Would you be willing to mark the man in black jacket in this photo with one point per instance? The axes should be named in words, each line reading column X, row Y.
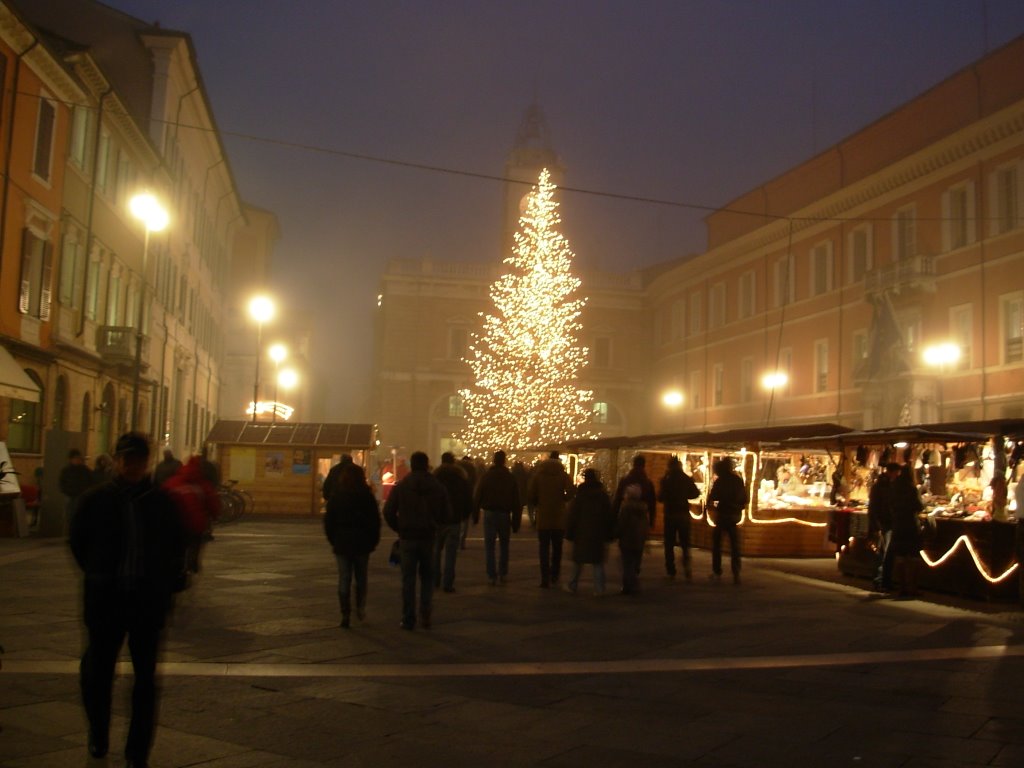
column 128, row 539
column 675, row 492
column 497, row 494
column 415, row 508
column 460, row 497
column 728, row 497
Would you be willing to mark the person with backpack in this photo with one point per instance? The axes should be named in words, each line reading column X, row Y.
column 675, row 492
column 632, row 527
column 728, row 498
column 352, row 526
column 416, row 507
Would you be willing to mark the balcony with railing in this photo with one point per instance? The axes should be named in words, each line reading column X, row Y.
column 916, row 273
column 116, row 345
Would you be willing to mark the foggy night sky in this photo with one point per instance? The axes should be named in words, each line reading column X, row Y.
column 693, row 101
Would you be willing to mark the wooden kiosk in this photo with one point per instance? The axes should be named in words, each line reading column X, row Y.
column 283, row 465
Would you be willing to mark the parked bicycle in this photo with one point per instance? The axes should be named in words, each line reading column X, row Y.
column 234, row 502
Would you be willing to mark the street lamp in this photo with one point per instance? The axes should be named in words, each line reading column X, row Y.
column 672, row 398
column 287, row 379
column 277, row 352
column 942, row 356
column 154, row 217
column 261, row 309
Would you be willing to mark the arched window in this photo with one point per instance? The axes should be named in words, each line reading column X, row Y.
column 25, row 422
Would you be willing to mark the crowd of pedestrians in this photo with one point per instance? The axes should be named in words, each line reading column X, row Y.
column 137, row 536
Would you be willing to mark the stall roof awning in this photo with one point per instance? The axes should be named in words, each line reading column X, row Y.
column 932, row 433
column 313, row 435
column 14, row 382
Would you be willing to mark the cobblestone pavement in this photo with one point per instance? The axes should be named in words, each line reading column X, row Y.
column 787, row 669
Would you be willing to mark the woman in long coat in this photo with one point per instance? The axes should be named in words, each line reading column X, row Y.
column 352, row 525
column 589, row 528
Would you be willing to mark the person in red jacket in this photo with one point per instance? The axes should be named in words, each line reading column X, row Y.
column 198, row 504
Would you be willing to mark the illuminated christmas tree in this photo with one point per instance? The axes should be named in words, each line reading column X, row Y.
column 527, row 358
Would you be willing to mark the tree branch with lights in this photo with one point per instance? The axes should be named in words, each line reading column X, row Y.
column 526, row 359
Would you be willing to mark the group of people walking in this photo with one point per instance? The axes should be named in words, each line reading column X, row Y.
column 431, row 510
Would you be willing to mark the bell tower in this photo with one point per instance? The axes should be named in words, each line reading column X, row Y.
column 531, row 153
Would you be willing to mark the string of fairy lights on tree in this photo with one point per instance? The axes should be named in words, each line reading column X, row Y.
column 527, row 358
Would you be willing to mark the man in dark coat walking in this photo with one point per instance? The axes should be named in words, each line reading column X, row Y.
column 128, row 539
column 415, row 508
column 460, row 497
column 497, row 494
column 75, row 479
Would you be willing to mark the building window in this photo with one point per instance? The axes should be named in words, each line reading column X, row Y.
column 25, row 422
column 784, row 278
column 1007, row 199
column 114, row 297
column 81, row 118
column 103, row 162
column 860, row 349
column 961, row 323
column 455, row 406
column 600, row 415
column 1012, row 327
column 904, row 234
column 44, row 139
column 747, row 379
column 696, row 389
column 678, row 327
column 821, row 268
column 458, row 343
column 92, row 292
column 716, row 306
column 748, row 304
column 72, row 270
column 821, row 366
column 860, row 253
column 718, row 377
column 601, row 353
column 36, row 274
column 958, row 217
column 696, row 326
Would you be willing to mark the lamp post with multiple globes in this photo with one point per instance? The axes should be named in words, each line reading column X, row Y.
column 261, row 309
column 154, row 217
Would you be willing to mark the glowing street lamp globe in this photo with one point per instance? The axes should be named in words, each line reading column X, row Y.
column 673, row 398
column 287, row 379
column 261, row 309
column 941, row 355
column 774, row 380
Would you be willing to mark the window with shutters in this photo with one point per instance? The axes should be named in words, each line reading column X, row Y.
column 747, row 303
column 860, row 253
column 45, row 129
column 905, row 233
column 716, row 306
column 746, row 379
column 1007, row 199
column 958, row 216
column 961, row 331
column 72, row 270
column 821, row 366
column 696, row 324
column 696, row 390
column 718, row 381
column 81, row 123
column 785, row 281
column 1012, row 322
column 821, row 268
column 36, row 274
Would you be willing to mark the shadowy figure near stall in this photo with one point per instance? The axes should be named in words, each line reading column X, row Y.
column 728, row 497
column 906, row 535
column 127, row 538
column 880, row 522
column 675, row 492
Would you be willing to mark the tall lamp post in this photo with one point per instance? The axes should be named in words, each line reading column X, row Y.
column 943, row 357
column 286, row 379
column 277, row 352
column 772, row 381
column 154, row 217
column 261, row 309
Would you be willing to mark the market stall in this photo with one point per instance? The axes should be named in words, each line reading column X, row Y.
column 283, row 465
column 962, row 472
